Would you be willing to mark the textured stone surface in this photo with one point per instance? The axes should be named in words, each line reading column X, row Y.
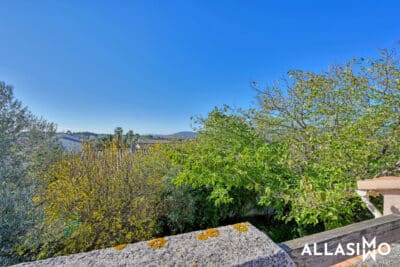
column 230, row 248
column 391, row 260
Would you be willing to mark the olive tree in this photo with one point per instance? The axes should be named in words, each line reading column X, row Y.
column 27, row 145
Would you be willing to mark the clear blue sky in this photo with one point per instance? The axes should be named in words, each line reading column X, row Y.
column 150, row 65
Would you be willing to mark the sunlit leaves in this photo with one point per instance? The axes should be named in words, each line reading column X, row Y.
column 232, row 159
column 102, row 198
column 340, row 126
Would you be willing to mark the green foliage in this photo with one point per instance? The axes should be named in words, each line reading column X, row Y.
column 298, row 156
column 128, row 140
column 301, row 153
column 233, row 162
column 27, row 146
column 188, row 209
column 340, row 126
column 101, row 198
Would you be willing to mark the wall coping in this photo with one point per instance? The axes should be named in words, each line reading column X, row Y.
column 251, row 247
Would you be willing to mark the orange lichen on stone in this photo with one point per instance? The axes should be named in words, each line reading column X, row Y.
column 157, row 243
column 241, row 227
column 212, row 232
column 119, row 247
column 202, row 236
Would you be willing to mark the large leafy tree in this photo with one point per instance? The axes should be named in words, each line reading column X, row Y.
column 231, row 160
column 302, row 151
column 27, row 145
column 340, row 126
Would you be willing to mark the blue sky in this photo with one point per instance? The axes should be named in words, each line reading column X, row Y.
column 150, row 65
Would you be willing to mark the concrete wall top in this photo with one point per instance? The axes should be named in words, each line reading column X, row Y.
column 233, row 245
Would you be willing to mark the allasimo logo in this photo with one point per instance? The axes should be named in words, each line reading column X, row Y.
column 364, row 248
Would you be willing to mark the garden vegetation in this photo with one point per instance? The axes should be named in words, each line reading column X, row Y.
column 289, row 165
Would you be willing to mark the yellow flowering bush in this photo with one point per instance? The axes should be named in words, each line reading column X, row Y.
column 102, row 198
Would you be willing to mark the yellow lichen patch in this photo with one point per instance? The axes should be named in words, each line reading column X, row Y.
column 241, row 227
column 202, row 236
column 212, row 232
column 119, row 247
column 157, row 243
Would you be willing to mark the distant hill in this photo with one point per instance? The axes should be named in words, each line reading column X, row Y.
column 184, row 134
column 180, row 135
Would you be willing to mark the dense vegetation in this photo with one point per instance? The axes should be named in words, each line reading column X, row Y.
column 98, row 199
column 27, row 147
column 290, row 165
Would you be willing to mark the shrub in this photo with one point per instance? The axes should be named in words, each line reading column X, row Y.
column 101, row 198
column 188, row 209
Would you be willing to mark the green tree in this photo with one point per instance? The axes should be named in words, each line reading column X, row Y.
column 232, row 162
column 187, row 209
column 27, row 146
column 302, row 151
column 340, row 126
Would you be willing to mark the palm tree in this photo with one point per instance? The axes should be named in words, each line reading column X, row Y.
column 117, row 136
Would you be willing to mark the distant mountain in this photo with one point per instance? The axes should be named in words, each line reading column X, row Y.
column 183, row 135
column 179, row 135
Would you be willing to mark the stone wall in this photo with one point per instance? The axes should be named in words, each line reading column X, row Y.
column 233, row 245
